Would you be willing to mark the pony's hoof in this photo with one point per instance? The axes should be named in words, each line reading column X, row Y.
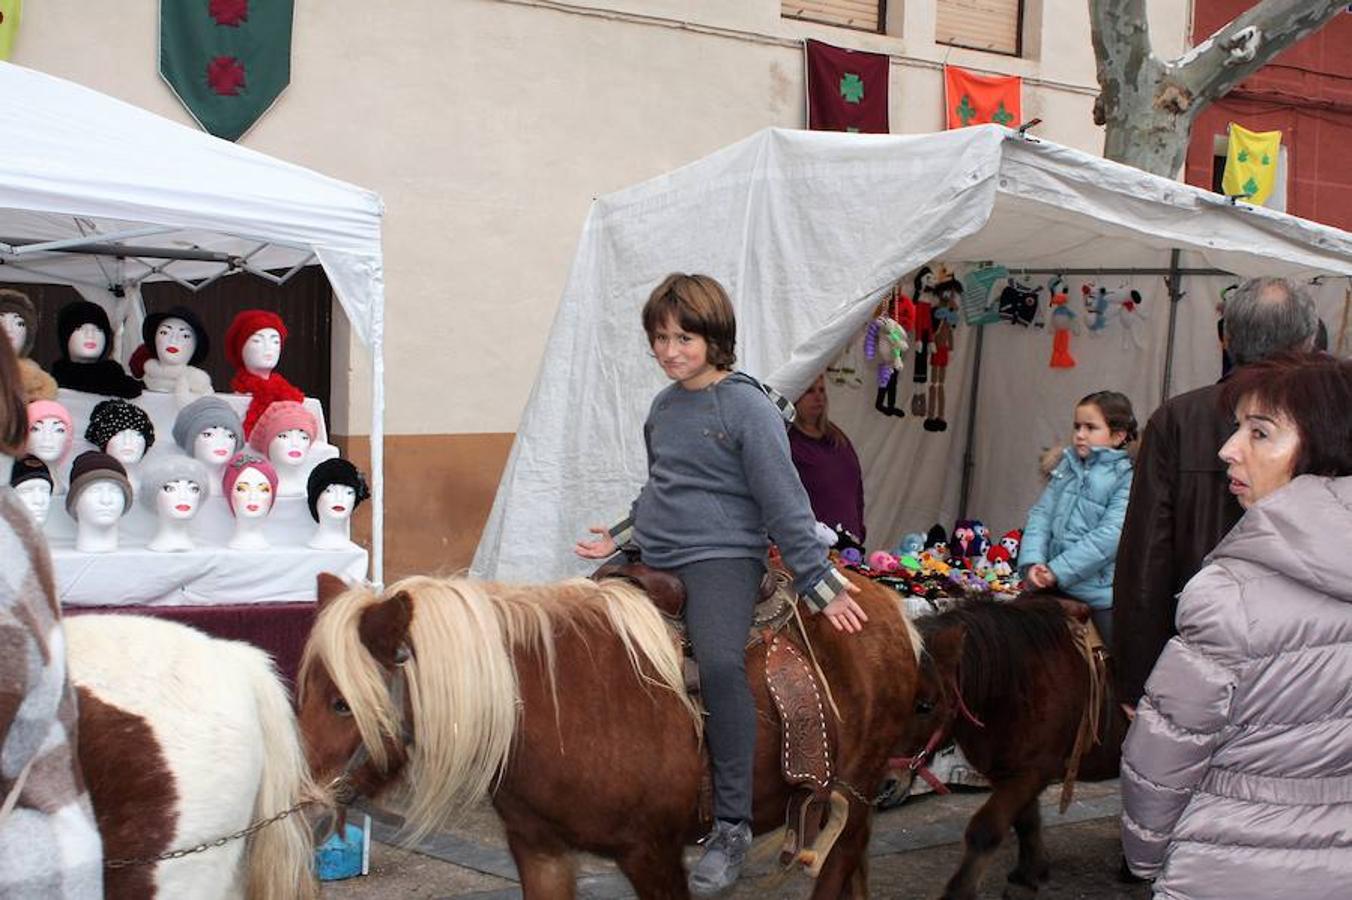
column 1030, row 877
column 1015, row 891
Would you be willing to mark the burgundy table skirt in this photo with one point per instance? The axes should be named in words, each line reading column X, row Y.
column 278, row 628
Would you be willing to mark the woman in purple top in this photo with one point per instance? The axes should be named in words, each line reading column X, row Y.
column 827, row 464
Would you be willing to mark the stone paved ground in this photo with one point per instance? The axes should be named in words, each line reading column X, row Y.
column 913, row 852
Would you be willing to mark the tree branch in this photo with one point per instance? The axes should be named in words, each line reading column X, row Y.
column 1121, row 36
column 1246, row 44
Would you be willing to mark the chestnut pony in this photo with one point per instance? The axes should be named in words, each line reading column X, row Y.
column 1009, row 684
column 565, row 705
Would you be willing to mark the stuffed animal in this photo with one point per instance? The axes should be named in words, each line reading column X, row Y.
column 882, row 561
column 936, row 541
column 944, row 317
column 926, row 298
column 1063, row 325
column 909, row 545
column 885, row 342
column 1019, row 304
column 1010, row 541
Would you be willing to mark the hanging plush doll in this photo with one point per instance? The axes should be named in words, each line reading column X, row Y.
column 1019, row 304
column 925, row 299
column 1057, row 295
column 19, row 321
column 885, row 342
column 944, row 316
column 253, row 345
column 1096, row 303
column 1132, row 317
column 86, row 341
column 1063, row 325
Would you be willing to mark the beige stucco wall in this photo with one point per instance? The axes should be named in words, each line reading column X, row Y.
column 488, row 125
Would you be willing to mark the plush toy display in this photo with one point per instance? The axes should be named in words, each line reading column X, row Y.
column 968, row 542
column 253, row 345
column 86, row 342
column 19, row 321
column 175, row 344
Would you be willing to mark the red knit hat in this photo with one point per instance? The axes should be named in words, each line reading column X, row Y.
column 247, row 323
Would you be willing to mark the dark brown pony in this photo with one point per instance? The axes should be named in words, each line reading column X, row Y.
column 1008, row 683
column 564, row 704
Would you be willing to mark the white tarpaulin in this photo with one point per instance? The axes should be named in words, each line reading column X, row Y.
column 103, row 195
column 807, row 230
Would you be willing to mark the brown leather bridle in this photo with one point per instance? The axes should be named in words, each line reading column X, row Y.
column 342, row 788
column 919, row 763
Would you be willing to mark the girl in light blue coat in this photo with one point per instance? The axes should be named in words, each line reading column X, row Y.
column 1070, row 541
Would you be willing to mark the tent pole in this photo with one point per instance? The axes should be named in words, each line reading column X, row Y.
column 968, row 456
column 378, row 450
column 1175, row 295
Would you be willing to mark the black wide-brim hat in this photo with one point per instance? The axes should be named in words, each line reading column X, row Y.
column 82, row 312
column 153, row 321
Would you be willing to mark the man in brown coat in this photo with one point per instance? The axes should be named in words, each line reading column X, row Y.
column 1181, row 505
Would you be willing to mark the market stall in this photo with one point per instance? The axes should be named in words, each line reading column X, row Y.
column 810, row 232
column 104, row 196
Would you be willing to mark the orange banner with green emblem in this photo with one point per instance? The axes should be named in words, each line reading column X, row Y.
column 971, row 99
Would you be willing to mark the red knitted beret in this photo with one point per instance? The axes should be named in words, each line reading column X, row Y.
column 247, row 323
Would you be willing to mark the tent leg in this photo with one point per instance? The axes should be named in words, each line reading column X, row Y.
column 968, row 455
column 1175, row 295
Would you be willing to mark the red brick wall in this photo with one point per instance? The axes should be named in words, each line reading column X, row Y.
column 1306, row 92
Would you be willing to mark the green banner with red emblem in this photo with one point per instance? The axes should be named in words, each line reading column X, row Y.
column 227, row 60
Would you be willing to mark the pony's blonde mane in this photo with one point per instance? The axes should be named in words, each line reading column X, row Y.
column 462, row 682
column 917, row 641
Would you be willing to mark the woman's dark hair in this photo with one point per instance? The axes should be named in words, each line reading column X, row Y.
column 1116, row 409
column 1314, row 391
column 13, row 408
column 700, row 306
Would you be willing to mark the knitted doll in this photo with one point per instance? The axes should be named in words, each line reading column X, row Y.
column 925, row 299
column 944, row 317
column 253, row 345
column 885, row 341
column 86, row 341
column 175, row 343
column 19, row 320
column 1063, row 324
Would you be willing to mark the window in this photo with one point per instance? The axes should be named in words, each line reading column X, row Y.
column 865, row 15
column 992, row 25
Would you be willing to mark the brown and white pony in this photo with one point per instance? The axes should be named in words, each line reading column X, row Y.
column 564, row 704
column 184, row 739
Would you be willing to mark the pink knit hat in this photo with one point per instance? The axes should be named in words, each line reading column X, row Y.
column 237, row 464
column 50, row 409
column 281, row 415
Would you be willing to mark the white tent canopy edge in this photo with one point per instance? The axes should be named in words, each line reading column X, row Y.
column 807, row 230
column 87, row 170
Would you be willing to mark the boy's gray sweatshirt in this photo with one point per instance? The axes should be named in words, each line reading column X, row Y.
column 721, row 484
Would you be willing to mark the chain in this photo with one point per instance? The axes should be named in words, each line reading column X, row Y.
column 200, row 848
column 854, row 792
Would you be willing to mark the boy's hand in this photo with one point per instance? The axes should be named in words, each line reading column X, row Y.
column 600, row 547
column 845, row 613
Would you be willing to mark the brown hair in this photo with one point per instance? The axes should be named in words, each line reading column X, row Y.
column 1117, row 412
column 1313, row 390
column 700, row 306
column 13, row 408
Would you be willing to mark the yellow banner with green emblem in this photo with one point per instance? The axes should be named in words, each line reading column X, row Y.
column 10, row 13
column 1251, row 164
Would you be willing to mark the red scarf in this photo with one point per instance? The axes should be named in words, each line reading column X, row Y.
column 265, row 391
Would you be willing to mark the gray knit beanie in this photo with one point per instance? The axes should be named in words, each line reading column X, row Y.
column 165, row 469
column 204, row 413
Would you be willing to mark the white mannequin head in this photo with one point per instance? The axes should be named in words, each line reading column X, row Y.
column 251, row 496
column 178, row 499
column 36, row 494
column 262, row 351
column 335, row 503
column 49, row 439
column 127, row 446
column 100, row 504
column 289, row 448
column 15, row 328
column 86, row 343
column 214, row 446
column 175, row 342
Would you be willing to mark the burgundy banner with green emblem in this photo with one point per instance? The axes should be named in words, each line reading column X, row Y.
column 846, row 89
column 227, row 60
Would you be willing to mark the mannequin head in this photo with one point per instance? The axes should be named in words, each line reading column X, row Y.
column 208, row 430
column 284, row 431
column 254, row 341
column 94, row 470
column 32, row 481
column 18, row 320
column 335, row 483
column 174, row 487
column 84, row 332
column 250, row 485
column 176, row 337
column 50, row 434
column 120, row 429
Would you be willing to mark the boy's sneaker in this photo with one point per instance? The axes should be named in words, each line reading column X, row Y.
column 724, row 852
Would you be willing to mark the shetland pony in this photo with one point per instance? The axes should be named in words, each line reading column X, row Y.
column 564, row 703
column 1008, row 683
column 184, row 739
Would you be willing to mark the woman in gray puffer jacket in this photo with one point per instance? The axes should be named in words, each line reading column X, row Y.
column 1237, row 771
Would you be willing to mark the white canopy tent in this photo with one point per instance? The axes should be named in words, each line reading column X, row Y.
column 808, row 230
column 104, row 196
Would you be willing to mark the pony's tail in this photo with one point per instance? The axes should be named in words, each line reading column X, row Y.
column 280, row 856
